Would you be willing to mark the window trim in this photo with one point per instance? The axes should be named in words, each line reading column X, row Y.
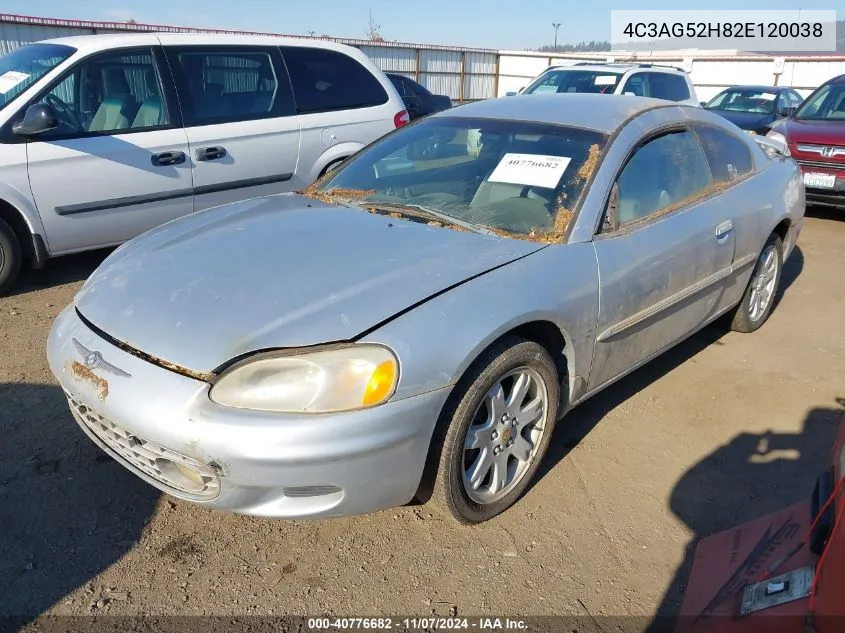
column 168, row 95
column 283, row 82
column 654, row 217
column 301, row 112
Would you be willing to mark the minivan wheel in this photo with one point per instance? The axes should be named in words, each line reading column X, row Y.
column 759, row 297
column 10, row 257
column 495, row 431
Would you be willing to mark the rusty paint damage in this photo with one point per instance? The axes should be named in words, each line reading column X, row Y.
column 161, row 362
column 563, row 214
column 81, row 372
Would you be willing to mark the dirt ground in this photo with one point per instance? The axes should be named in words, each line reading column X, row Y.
column 673, row 453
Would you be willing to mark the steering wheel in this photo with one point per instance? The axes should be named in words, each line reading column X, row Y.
column 63, row 111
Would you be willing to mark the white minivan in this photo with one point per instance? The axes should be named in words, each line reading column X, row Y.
column 103, row 137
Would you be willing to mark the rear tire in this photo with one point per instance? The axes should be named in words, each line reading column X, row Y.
column 495, row 430
column 759, row 297
column 10, row 257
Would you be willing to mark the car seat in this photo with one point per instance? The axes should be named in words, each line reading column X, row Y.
column 151, row 112
column 117, row 108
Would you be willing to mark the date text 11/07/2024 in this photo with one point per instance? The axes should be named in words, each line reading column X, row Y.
column 430, row 623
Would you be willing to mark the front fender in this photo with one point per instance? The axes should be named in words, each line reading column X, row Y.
column 15, row 191
column 437, row 341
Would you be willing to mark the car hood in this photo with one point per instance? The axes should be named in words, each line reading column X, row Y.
column 813, row 132
column 746, row 120
column 283, row 271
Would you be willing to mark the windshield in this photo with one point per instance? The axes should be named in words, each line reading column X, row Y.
column 24, row 66
column 827, row 103
column 751, row 101
column 597, row 81
column 512, row 178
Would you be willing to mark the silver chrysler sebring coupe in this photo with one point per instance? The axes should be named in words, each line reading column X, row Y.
column 414, row 323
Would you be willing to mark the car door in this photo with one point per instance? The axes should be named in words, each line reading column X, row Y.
column 118, row 163
column 732, row 168
column 240, row 120
column 663, row 269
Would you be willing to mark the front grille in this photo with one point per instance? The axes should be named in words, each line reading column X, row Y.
column 148, row 458
column 818, row 163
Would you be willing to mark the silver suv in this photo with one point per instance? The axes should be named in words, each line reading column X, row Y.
column 642, row 80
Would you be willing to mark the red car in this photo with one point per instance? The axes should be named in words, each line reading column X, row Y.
column 815, row 134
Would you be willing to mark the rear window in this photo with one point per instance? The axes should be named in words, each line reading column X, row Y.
column 566, row 80
column 325, row 80
column 669, row 87
column 728, row 156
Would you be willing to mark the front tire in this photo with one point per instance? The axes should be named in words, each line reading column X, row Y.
column 495, row 430
column 759, row 297
column 10, row 257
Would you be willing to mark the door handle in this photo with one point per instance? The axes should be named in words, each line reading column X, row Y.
column 723, row 229
column 210, row 153
column 168, row 158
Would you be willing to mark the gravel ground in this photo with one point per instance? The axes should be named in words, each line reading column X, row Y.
column 719, row 430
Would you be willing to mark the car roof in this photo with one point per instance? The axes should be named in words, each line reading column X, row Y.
column 620, row 67
column 603, row 113
column 90, row 43
column 766, row 88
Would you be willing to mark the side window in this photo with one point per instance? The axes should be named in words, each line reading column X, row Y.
column 794, row 99
column 110, row 93
column 728, row 156
column 665, row 173
column 637, row 84
column 325, row 80
column 228, row 84
column 668, row 86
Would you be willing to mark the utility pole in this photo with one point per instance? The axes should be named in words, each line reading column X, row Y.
column 557, row 26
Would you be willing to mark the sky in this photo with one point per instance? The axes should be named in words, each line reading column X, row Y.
column 499, row 24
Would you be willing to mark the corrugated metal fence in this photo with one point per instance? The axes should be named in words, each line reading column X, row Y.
column 470, row 74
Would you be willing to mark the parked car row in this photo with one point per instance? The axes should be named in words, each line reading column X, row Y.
column 223, row 356
column 105, row 137
column 812, row 130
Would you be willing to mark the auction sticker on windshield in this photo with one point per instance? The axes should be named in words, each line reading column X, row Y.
column 532, row 170
column 10, row 79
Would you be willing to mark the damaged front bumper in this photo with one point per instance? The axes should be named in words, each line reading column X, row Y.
column 162, row 426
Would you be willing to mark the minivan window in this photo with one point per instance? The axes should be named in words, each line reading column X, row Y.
column 325, row 80
column 24, row 66
column 221, row 85
column 566, row 80
column 112, row 92
column 669, row 87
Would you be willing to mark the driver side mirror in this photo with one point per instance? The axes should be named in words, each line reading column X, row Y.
column 611, row 214
column 39, row 118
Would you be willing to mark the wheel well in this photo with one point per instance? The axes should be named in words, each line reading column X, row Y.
column 334, row 162
column 782, row 229
column 548, row 335
column 544, row 333
column 11, row 216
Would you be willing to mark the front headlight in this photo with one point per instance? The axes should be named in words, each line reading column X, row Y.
column 340, row 379
column 776, row 136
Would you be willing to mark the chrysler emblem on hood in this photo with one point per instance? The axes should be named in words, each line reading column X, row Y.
column 94, row 360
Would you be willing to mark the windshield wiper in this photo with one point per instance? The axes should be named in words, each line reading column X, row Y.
column 420, row 211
